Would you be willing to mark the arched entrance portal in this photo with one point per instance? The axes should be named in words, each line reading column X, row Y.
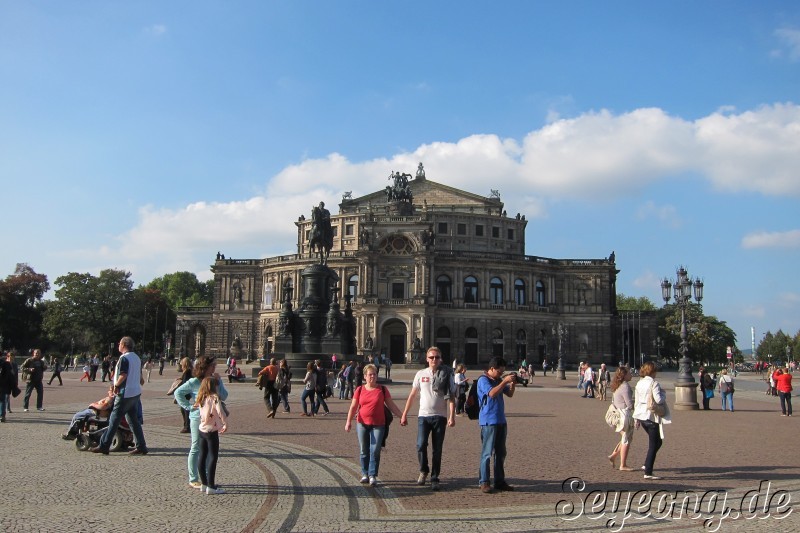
column 393, row 340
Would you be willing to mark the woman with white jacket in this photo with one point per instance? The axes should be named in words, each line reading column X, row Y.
column 652, row 423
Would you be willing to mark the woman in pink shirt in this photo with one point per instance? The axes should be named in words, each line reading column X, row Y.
column 369, row 400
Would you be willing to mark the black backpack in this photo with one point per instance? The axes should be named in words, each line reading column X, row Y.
column 472, row 406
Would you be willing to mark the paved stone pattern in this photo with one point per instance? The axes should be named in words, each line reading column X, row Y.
column 299, row 474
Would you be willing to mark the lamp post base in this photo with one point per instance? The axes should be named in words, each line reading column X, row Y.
column 561, row 373
column 686, row 397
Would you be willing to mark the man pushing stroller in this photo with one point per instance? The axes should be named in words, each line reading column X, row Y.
column 99, row 409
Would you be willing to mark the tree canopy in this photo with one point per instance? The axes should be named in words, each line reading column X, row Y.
column 183, row 289
column 21, row 307
column 632, row 303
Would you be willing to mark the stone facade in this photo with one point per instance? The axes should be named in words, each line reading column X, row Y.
column 449, row 269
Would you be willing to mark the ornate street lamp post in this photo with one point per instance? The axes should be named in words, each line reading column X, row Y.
column 561, row 332
column 685, row 386
column 658, row 343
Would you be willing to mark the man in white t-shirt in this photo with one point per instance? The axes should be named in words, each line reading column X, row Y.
column 127, row 385
column 436, row 388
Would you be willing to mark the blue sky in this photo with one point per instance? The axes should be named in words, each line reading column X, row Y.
column 150, row 135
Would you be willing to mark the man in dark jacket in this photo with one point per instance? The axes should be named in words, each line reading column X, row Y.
column 33, row 368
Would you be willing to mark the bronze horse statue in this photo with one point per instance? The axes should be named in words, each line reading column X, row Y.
column 320, row 239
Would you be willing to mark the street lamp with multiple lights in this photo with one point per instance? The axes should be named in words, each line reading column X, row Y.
column 560, row 331
column 685, row 386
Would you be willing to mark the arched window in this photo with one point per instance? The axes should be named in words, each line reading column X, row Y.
column 444, row 289
column 519, row 292
column 352, row 287
column 540, row 296
column 443, row 333
column 496, row 291
column 471, row 333
column 497, row 334
column 470, row 290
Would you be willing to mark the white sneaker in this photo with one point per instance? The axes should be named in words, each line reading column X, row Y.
column 373, row 481
column 422, row 478
column 364, row 479
column 25, row 410
column 40, row 409
column 651, row 477
column 212, row 490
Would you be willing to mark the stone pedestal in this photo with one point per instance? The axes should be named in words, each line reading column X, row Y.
column 686, row 397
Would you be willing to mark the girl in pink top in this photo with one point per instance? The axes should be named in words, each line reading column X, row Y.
column 212, row 423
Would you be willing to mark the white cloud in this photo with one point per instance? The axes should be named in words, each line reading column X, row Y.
column 789, row 298
column 754, row 311
column 790, row 39
column 592, row 156
column 777, row 239
column 666, row 214
column 156, row 30
column 753, row 151
column 646, row 281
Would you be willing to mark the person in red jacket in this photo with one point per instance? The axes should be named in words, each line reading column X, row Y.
column 783, row 382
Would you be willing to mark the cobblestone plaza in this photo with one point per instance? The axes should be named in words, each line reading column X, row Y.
column 296, row 474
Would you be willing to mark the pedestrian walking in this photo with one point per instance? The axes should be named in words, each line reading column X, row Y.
column 648, row 388
column 309, row 385
column 57, row 368
column 623, row 401
column 436, row 389
column 271, row 393
column 321, row 390
column 127, row 385
column 369, row 400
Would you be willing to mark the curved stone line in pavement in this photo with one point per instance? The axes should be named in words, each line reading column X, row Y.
column 388, row 511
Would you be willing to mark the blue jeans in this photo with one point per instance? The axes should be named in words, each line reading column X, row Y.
column 370, row 439
column 129, row 409
column 320, row 400
column 653, row 444
column 3, row 402
column 194, row 450
column 307, row 394
column 493, row 440
column 727, row 397
column 434, row 426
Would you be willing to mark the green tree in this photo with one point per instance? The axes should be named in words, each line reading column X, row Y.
column 21, row 307
column 91, row 310
column 183, row 289
column 773, row 347
column 707, row 336
column 632, row 303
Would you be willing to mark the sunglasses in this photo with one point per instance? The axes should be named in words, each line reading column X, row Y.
column 434, row 358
